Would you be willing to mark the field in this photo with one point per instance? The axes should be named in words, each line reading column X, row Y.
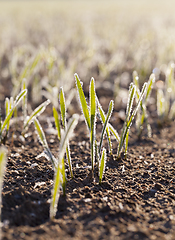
column 116, row 46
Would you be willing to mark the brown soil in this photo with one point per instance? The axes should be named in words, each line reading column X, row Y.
column 136, row 199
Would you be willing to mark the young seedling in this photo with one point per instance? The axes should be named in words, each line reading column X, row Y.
column 3, row 158
column 63, row 117
column 102, row 165
column 58, row 163
column 57, row 179
column 142, row 113
column 129, row 117
column 166, row 100
column 89, row 113
column 10, row 107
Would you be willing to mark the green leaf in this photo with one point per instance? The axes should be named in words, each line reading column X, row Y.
column 57, row 122
column 110, row 109
column 43, row 141
column 83, row 102
column 63, row 108
column 40, row 109
column 102, row 165
column 103, row 119
column 57, row 179
column 92, row 104
column 69, row 159
column 17, row 100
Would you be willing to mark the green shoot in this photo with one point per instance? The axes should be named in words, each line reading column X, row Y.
column 129, row 117
column 92, row 121
column 3, row 159
column 102, row 116
column 10, row 107
column 63, row 117
column 102, row 165
column 57, row 122
column 24, row 102
column 57, row 179
column 42, row 139
column 165, row 101
column 90, row 116
column 142, row 114
column 83, row 102
column 36, row 113
column 105, row 121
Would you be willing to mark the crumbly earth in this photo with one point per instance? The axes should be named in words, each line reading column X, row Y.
column 136, row 199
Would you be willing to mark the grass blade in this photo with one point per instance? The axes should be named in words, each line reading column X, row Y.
column 63, row 117
column 43, row 141
column 63, row 108
column 57, row 179
column 110, row 110
column 17, row 100
column 40, row 109
column 83, row 102
column 57, row 122
column 102, row 165
column 103, row 119
column 92, row 104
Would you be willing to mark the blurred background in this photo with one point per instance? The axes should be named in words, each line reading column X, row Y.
column 46, row 42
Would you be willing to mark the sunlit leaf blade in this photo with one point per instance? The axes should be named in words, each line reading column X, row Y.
column 24, row 102
column 63, row 177
column 114, row 132
column 63, row 108
column 132, row 91
column 43, row 141
column 102, row 165
column 40, row 133
column 55, row 192
column 69, row 159
column 103, row 118
column 57, row 122
column 57, row 179
column 19, row 97
column 92, row 120
column 128, row 122
column 17, row 100
column 138, row 104
column 40, row 109
column 82, row 99
column 110, row 109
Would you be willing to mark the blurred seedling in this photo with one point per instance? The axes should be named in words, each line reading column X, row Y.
column 3, row 160
column 123, row 140
column 142, row 114
column 35, row 113
column 64, row 124
column 58, row 163
column 27, row 72
column 10, row 105
column 166, row 97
